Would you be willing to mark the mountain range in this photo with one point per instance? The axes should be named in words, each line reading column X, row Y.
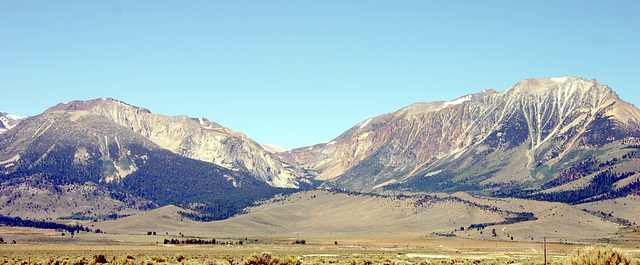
column 539, row 134
column 564, row 139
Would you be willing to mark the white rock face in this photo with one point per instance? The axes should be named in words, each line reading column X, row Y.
column 9, row 121
column 199, row 139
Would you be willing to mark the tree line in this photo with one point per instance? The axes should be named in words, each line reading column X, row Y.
column 17, row 221
column 198, row 241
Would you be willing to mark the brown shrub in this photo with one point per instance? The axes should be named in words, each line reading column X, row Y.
column 599, row 256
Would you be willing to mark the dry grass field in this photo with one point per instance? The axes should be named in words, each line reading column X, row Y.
column 39, row 246
column 452, row 252
column 329, row 217
column 627, row 207
column 558, row 222
column 339, row 229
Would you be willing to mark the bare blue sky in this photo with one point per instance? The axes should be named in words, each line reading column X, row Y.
column 294, row 73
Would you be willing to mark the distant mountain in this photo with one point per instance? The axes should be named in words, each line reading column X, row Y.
column 74, row 145
column 199, row 139
column 564, row 139
column 549, row 137
column 8, row 121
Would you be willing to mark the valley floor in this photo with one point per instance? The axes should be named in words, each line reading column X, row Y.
column 341, row 217
column 40, row 246
column 341, row 228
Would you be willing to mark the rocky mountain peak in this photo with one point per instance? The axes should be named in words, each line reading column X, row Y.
column 86, row 105
column 196, row 138
column 422, row 108
column 486, row 138
column 570, row 84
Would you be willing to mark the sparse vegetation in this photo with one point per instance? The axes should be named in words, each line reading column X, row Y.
column 198, row 241
column 599, row 256
column 611, row 218
column 443, row 234
column 103, row 217
column 100, row 259
column 305, row 255
column 468, row 173
column 520, row 217
column 600, row 188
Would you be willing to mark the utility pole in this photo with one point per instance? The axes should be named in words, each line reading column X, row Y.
column 545, row 250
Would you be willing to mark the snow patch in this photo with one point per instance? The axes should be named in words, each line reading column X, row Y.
column 10, row 121
column 365, row 123
column 16, row 117
column 274, row 148
column 559, row 79
column 457, row 101
column 218, row 137
column 332, row 142
column 5, row 122
column 207, row 124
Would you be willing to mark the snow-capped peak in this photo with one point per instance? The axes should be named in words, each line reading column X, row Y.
column 274, row 148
